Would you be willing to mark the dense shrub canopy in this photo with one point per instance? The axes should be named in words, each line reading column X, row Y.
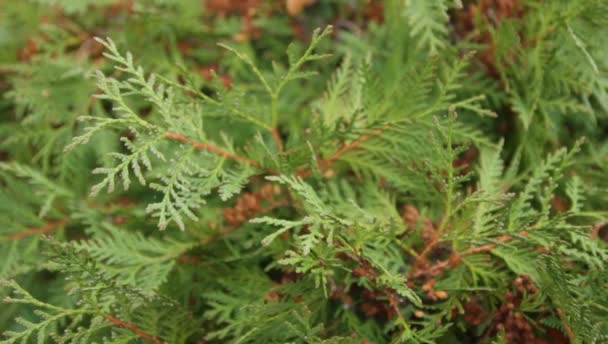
column 304, row 171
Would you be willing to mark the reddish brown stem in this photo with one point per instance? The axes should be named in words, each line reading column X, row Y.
column 595, row 230
column 36, row 230
column 277, row 139
column 325, row 163
column 422, row 256
column 479, row 249
column 211, row 148
column 348, row 147
column 439, row 267
column 490, row 247
column 566, row 326
column 134, row 329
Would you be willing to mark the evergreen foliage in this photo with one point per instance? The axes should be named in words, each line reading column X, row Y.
column 228, row 172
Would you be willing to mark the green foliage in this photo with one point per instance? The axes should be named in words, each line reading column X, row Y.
column 576, row 311
column 100, row 301
column 419, row 172
column 133, row 258
column 428, row 21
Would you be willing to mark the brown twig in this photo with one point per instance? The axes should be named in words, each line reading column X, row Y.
column 134, row 329
column 50, row 226
column 277, row 139
column 8, row 70
column 348, row 147
column 325, row 163
column 422, row 256
column 424, row 269
column 211, row 148
column 490, row 247
column 567, row 327
column 431, row 271
column 595, row 230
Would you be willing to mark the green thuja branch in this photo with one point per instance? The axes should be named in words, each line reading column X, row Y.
column 104, row 304
column 275, row 88
column 413, row 173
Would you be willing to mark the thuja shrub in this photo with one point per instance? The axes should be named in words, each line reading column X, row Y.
column 304, row 171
